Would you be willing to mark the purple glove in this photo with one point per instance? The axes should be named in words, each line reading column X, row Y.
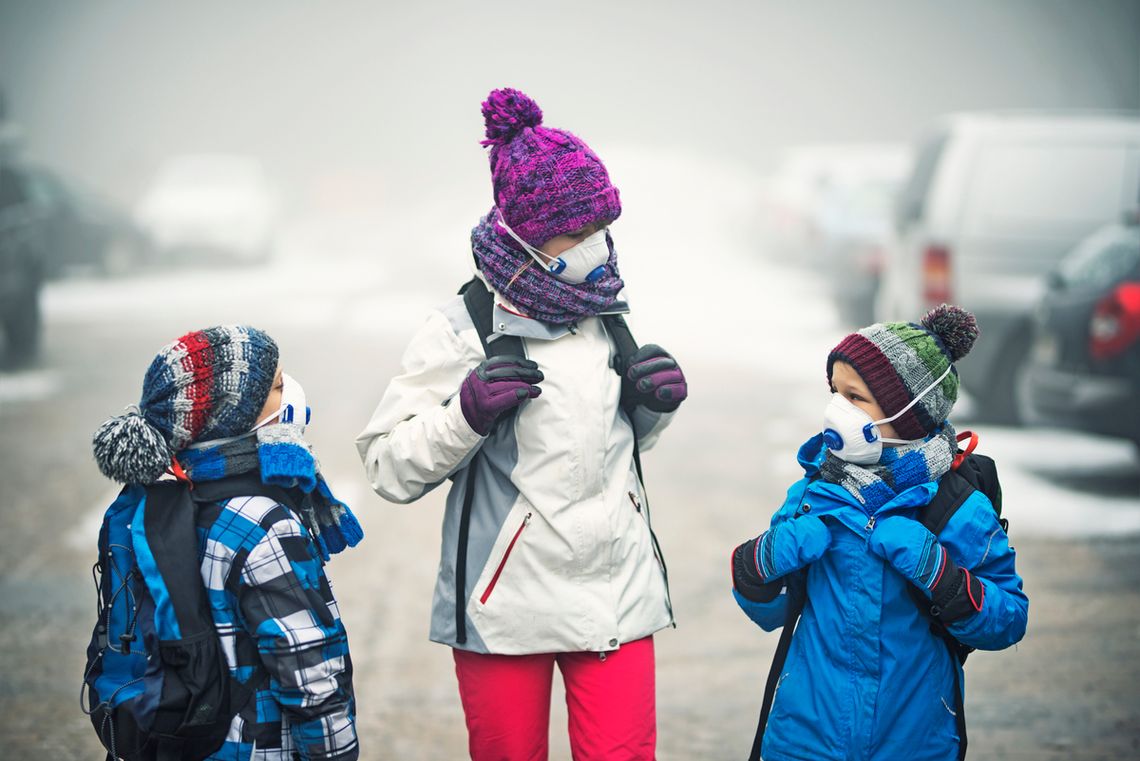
column 496, row 386
column 653, row 379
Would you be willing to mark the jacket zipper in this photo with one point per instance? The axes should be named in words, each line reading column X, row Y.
column 499, row 570
column 653, row 539
column 656, row 554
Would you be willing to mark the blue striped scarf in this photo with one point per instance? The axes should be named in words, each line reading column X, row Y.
column 284, row 458
column 898, row 469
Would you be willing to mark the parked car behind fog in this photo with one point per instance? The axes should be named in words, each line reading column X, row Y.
column 993, row 203
column 855, row 223
column 82, row 231
column 798, row 212
column 210, row 205
column 1084, row 370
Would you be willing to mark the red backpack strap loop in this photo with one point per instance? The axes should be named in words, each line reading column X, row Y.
column 176, row 470
column 962, row 455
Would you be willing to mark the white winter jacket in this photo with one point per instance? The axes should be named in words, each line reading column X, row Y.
column 559, row 554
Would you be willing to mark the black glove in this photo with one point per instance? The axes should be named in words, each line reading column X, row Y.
column 746, row 578
column 654, row 380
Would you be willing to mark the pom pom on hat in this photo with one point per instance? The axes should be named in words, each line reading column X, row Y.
column 130, row 450
column 955, row 327
column 546, row 181
column 507, row 112
column 208, row 384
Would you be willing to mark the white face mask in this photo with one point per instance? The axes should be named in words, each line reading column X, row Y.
column 853, row 436
column 584, row 262
column 293, row 407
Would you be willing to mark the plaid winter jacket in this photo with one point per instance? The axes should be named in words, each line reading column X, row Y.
column 279, row 624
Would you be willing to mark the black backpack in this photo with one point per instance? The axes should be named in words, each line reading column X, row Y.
column 480, row 303
column 969, row 473
column 157, row 684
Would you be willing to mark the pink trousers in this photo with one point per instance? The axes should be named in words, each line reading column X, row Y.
column 611, row 703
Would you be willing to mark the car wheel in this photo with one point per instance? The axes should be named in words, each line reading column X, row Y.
column 1004, row 400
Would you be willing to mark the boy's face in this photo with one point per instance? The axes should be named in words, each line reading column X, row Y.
column 845, row 381
column 273, row 401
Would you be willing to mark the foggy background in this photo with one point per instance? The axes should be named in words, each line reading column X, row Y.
column 357, row 126
column 392, row 90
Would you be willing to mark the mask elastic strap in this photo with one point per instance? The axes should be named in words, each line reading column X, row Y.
column 867, row 429
column 227, row 440
column 218, row 442
column 526, row 246
column 915, row 400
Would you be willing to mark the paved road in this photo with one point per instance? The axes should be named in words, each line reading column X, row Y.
column 1068, row 691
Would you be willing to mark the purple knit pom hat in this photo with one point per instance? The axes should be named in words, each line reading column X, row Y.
column 547, row 182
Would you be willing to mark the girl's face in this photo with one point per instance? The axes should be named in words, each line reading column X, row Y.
column 845, row 381
column 273, row 401
column 559, row 243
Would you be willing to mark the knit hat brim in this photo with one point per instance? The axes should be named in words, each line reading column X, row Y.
column 603, row 206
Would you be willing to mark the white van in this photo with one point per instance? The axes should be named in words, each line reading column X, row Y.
column 993, row 202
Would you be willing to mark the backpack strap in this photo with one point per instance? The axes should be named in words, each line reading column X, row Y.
column 796, row 584
column 480, row 303
column 969, row 473
column 625, row 346
column 170, row 551
column 953, row 491
column 168, row 559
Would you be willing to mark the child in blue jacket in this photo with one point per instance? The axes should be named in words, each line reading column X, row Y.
column 866, row 677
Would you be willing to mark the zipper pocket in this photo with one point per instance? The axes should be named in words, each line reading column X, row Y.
column 499, row 570
column 652, row 537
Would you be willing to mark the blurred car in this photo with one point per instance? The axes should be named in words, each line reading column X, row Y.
column 855, row 223
column 21, row 268
column 993, row 203
column 795, row 194
column 81, row 230
column 1084, row 369
column 203, row 205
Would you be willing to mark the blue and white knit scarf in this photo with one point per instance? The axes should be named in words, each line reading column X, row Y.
column 898, row 469
column 283, row 458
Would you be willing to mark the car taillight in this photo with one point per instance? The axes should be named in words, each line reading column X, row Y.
column 936, row 274
column 1115, row 323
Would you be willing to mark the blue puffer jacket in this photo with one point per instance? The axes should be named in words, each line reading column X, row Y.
column 865, row 678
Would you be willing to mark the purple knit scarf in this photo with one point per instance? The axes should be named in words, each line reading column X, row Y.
column 542, row 296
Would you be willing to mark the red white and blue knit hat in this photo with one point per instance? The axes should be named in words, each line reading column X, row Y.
column 209, row 384
column 897, row 360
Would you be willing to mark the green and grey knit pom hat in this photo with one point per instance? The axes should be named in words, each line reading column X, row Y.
column 897, row 360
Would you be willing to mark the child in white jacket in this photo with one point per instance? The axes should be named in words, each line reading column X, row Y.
column 547, row 553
